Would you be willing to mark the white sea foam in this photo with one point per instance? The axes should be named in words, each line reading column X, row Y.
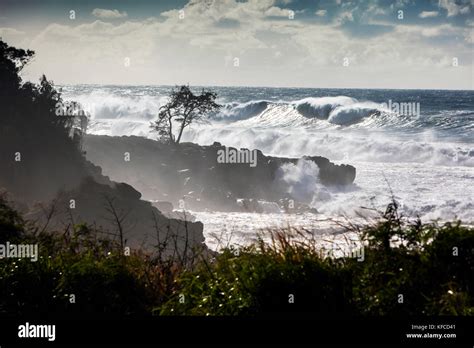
column 109, row 106
column 302, row 180
column 241, row 111
column 431, row 174
column 354, row 113
column 348, row 145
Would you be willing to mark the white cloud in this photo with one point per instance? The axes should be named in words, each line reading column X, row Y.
column 170, row 50
column 10, row 33
column 428, row 14
column 321, row 13
column 14, row 37
column 430, row 31
column 454, row 8
column 374, row 9
column 469, row 36
column 108, row 14
column 345, row 16
column 277, row 12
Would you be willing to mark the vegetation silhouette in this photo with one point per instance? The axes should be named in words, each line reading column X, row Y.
column 434, row 272
column 40, row 152
column 183, row 108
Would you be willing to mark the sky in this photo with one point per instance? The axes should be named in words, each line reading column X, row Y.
column 426, row 44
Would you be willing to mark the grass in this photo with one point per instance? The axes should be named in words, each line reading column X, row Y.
column 409, row 268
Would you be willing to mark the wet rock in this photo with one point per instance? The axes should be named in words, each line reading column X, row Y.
column 192, row 173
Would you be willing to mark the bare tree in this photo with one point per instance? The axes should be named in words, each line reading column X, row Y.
column 183, row 108
column 117, row 218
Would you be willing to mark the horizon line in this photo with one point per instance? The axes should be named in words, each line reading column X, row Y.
column 267, row 87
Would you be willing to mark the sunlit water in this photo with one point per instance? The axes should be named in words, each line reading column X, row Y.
column 425, row 160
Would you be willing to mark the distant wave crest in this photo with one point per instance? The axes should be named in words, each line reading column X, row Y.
column 241, row 111
column 108, row 106
column 339, row 110
column 321, row 108
column 123, row 112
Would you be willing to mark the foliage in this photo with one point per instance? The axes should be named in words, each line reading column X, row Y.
column 76, row 275
column 33, row 138
column 11, row 223
column 432, row 266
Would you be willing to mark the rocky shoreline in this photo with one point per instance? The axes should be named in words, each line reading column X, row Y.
column 140, row 190
column 189, row 176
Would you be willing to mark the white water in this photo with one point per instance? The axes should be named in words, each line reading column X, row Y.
column 429, row 173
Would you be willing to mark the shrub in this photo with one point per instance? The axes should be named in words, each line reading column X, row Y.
column 432, row 266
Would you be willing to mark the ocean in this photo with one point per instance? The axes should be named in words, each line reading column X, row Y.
column 414, row 145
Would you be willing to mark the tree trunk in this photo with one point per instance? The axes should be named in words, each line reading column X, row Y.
column 170, row 128
column 181, row 131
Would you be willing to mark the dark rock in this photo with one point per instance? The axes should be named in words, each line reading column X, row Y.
column 189, row 172
column 143, row 225
column 128, row 191
column 163, row 206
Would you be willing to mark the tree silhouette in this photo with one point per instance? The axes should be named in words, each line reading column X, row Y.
column 12, row 61
column 40, row 151
column 183, row 108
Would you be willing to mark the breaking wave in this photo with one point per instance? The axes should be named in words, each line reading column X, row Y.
column 240, row 111
column 341, row 111
column 102, row 105
column 119, row 110
column 343, row 146
column 321, row 108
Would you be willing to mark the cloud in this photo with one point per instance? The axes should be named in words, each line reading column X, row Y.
column 227, row 23
column 428, row 14
column 455, row 8
column 469, row 36
column 344, row 17
column 430, row 31
column 372, row 8
column 272, row 50
column 108, row 14
column 13, row 36
column 10, row 32
column 321, row 13
column 277, row 12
